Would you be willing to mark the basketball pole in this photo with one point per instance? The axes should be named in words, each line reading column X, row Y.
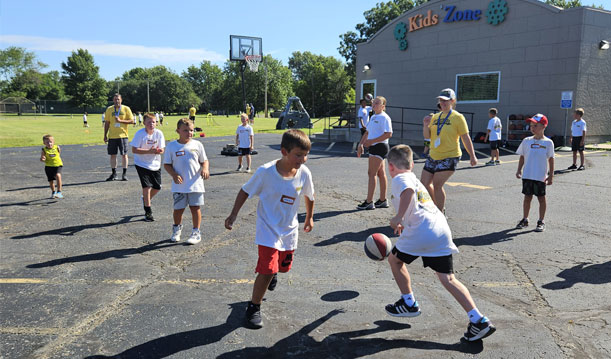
column 242, row 68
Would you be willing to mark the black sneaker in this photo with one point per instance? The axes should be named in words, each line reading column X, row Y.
column 381, row 204
column 148, row 217
column 124, row 178
column 540, row 226
column 400, row 309
column 479, row 330
column 581, row 168
column 523, row 223
column 253, row 316
column 366, row 205
column 273, row 283
column 113, row 177
column 573, row 167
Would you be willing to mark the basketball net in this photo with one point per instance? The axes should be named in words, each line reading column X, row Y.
column 253, row 62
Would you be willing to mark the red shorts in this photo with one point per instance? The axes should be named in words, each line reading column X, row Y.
column 272, row 261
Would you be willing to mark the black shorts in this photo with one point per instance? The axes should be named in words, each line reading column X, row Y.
column 494, row 145
column 149, row 178
column 52, row 172
column 379, row 150
column 447, row 164
column 243, row 151
column 443, row 264
column 532, row 187
column 117, row 145
column 192, row 118
column 576, row 144
column 363, row 130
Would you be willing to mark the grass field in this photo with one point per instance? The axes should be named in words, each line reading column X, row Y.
column 22, row 131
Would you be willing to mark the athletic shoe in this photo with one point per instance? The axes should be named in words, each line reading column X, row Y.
column 581, row 168
column 400, row 309
column 239, row 168
column 273, row 283
column 176, row 231
column 572, row 167
column 479, row 330
column 253, row 316
column 497, row 162
column 124, row 177
column 523, row 223
column 540, row 226
column 490, row 163
column 59, row 195
column 366, row 205
column 247, row 169
column 113, row 177
column 148, row 217
column 381, row 204
column 53, row 194
column 195, row 237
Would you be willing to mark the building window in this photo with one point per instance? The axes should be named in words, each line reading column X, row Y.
column 368, row 86
column 478, row 87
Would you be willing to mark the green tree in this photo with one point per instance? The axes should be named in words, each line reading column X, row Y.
column 82, row 81
column 206, row 80
column 34, row 85
column 565, row 4
column 15, row 60
column 321, row 82
column 375, row 19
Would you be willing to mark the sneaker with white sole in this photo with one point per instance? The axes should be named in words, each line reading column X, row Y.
column 400, row 309
column 239, row 168
column 523, row 223
column 176, row 231
column 490, row 163
column 247, row 169
column 53, row 194
column 366, row 205
column 381, row 204
column 479, row 330
column 58, row 194
column 540, row 226
column 195, row 237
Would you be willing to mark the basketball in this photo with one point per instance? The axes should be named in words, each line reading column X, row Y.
column 369, row 97
column 377, row 246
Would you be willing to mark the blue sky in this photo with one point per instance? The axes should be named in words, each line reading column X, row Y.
column 176, row 33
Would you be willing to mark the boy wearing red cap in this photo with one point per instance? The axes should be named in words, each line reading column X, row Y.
column 537, row 159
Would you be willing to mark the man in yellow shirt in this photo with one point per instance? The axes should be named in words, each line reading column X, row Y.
column 192, row 114
column 117, row 117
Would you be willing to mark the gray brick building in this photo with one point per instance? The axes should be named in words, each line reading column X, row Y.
column 516, row 55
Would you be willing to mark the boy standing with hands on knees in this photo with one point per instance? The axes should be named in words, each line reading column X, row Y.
column 537, row 158
column 185, row 160
column 424, row 232
column 279, row 185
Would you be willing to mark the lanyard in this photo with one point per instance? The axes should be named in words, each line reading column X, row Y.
column 117, row 113
column 444, row 122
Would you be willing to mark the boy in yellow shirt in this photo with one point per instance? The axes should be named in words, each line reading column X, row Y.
column 50, row 155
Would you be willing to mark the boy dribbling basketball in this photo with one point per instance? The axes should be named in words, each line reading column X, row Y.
column 278, row 184
column 424, row 232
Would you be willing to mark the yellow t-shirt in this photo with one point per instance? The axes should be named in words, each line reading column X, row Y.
column 454, row 127
column 117, row 129
column 192, row 111
column 52, row 157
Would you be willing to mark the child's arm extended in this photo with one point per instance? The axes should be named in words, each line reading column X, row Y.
column 239, row 202
column 175, row 176
column 42, row 156
column 520, row 165
column 404, row 200
column 309, row 220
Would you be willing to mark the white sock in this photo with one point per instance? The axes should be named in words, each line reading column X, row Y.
column 475, row 315
column 409, row 299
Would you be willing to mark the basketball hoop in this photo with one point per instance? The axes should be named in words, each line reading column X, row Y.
column 253, row 62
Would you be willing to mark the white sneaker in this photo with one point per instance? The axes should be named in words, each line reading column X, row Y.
column 195, row 238
column 54, row 195
column 176, row 230
column 247, row 169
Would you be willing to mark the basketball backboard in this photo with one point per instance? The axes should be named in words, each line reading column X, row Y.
column 241, row 46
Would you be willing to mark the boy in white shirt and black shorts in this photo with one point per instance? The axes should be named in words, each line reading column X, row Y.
column 279, row 185
column 244, row 139
column 578, row 139
column 424, row 232
column 493, row 133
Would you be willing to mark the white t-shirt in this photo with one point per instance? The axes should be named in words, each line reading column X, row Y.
column 279, row 197
column 495, row 127
column 103, row 120
column 426, row 231
column 186, row 160
column 139, row 117
column 244, row 133
column 364, row 114
column 578, row 127
column 536, row 153
column 378, row 125
column 84, row 118
column 143, row 140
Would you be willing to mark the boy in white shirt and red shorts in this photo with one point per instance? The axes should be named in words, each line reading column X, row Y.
column 279, row 185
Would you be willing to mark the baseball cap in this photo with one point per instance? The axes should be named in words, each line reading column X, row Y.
column 538, row 118
column 447, row 94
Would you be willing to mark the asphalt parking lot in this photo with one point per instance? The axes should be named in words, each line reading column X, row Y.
column 86, row 277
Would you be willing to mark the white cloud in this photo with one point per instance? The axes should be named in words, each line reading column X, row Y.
column 159, row 54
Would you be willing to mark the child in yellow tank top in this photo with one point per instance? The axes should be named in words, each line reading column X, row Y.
column 50, row 155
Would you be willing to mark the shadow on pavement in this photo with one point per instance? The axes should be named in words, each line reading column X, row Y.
column 115, row 253
column 47, row 186
column 174, row 343
column 582, row 273
column 490, row 238
column 339, row 295
column 321, row 215
column 72, row 230
column 47, row 202
column 356, row 236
